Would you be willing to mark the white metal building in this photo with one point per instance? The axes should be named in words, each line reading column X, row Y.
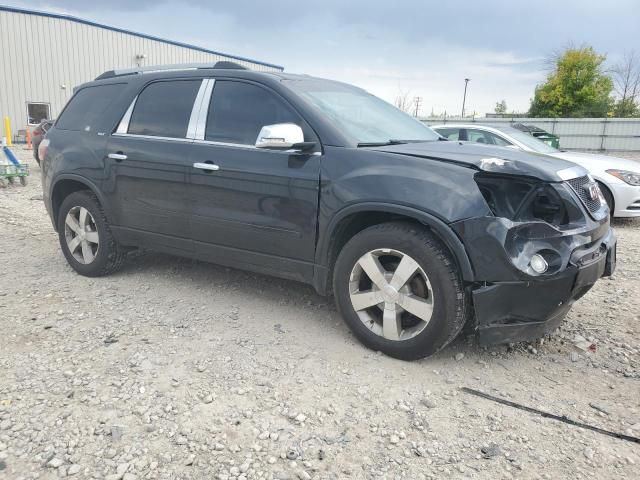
column 43, row 56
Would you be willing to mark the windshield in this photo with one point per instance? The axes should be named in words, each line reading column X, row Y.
column 532, row 142
column 360, row 115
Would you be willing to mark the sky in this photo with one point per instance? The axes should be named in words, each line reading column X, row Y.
column 412, row 48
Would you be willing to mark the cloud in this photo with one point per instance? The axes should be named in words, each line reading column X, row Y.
column 428, row 47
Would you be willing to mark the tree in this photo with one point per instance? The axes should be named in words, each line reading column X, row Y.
column 404, row 101
column 626, row 82
column 501, row 107
column 576, row 87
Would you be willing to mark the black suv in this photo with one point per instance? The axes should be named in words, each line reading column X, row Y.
column 321, row 182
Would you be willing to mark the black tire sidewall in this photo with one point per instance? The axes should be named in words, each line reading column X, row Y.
column 608, row 197
column 101, row 261
column 423, row 248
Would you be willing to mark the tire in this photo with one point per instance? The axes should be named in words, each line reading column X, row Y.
column 23, row 181
column 606, row 193
column 105, row 256
column 416, row 338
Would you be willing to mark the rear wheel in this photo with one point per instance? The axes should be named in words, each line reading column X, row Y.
column 85, row 236
column 399, row 291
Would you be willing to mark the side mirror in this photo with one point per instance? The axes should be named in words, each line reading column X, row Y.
column 281, row 136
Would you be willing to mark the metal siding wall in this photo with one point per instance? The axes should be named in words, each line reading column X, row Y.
column 42, row 53
column 614, row 134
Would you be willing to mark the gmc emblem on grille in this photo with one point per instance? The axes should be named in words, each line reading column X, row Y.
column 593, row 190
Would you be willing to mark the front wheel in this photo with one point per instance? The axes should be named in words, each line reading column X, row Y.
column 85, row 237
column 608, row 197
column 399, row 290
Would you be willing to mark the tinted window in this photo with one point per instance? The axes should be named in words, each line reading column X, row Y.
column 163, row 109
column 239, row 110
column 87, row 106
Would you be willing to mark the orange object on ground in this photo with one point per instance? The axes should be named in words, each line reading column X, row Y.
column 28, row 135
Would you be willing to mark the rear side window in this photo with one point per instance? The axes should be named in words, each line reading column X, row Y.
column 163, row 109
column 239, row 110
column 87, row 106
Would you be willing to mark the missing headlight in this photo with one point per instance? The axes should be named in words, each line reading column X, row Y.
column 526, row 200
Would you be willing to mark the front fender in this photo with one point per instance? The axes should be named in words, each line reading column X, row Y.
column 440, row 228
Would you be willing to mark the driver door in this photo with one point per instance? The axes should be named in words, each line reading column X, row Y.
column 253, row 207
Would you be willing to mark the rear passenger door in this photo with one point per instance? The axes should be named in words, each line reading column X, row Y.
column 147, row 165
column 258, row 208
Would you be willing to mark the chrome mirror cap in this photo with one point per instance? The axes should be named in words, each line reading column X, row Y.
column 279, row 136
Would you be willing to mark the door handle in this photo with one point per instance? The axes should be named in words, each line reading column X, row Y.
column 206, row 166
column 117, row 156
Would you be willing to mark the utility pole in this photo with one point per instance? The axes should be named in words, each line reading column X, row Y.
column 417, row 101
column 464, row 98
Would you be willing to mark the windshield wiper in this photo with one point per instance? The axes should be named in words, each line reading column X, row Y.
column 392, row 141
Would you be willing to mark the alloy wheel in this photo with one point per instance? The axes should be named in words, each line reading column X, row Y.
column 81, row 234
column 391, row 294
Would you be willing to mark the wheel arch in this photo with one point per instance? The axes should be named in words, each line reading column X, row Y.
column 355, row 218
column 609, row 190
column 64, row 185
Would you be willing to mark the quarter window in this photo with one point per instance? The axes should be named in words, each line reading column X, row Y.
column 239, row 110
column 87, row 106
column 163, row 109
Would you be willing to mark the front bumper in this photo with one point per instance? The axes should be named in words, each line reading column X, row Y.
column 627, row 199
column 511, row 305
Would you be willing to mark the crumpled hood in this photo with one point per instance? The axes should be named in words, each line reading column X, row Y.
column 591, row 160
column 491, row 159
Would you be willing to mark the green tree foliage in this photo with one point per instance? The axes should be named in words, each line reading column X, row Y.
column 501, row 107
column 577, row 87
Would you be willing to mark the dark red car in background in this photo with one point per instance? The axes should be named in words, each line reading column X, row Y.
column 38, row 134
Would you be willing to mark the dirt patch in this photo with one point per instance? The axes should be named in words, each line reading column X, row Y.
column 180, row 369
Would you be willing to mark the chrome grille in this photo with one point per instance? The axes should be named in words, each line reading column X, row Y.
column 582, row 186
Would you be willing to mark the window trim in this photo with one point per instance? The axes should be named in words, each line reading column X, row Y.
column 122, row 129
column 47, row 104
column 266, row 88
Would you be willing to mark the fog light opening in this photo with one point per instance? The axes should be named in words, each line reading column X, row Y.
column 538, row 264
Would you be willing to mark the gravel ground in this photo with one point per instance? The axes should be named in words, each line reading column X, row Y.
column 175, row 369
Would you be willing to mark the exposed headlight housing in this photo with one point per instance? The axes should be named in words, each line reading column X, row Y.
column 632, row 178
column 522, row 199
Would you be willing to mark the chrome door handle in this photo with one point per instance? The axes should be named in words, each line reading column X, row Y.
column 206, row 166
column 117, row 156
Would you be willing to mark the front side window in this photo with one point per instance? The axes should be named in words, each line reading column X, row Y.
column 364, row 118
column 163, row 109
column 496, row 140
column 239, row 110
column 450, row 133
column 529, row 141
column 477, row 136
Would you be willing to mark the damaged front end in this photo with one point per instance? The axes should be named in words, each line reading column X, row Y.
column 545, row 246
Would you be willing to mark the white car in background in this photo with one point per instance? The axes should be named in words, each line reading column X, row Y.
column 619, row 178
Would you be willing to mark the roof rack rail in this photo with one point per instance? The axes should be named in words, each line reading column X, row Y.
column 222, row 64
